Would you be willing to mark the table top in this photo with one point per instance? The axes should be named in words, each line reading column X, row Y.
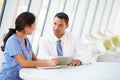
column 94, row 71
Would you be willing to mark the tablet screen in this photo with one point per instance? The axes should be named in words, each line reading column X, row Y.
column 64, row 60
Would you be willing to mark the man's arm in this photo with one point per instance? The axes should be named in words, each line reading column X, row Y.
column 82, row 53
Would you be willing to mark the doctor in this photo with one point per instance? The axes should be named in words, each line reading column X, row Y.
column 68, row 44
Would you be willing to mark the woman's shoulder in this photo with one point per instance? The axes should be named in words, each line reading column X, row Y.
column 13, row 39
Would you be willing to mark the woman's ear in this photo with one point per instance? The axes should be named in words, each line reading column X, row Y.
column 27, row 25
column 67, row 25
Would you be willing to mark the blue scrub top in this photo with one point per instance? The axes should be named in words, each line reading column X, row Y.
column 10, row 67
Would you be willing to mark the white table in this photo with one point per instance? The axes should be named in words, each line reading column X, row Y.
column 95, row 71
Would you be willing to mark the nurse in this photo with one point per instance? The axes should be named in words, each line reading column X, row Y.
column 18, row 51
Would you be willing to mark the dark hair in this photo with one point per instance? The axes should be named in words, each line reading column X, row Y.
column 62, row 15
column 25, row 18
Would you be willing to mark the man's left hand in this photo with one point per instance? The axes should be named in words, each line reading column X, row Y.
column 75, row 62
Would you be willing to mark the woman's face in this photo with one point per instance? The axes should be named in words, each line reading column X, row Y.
column 29, row 29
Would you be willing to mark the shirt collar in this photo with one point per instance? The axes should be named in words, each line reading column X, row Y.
column 62, row 38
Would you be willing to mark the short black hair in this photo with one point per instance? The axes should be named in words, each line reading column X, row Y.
column 62, row 15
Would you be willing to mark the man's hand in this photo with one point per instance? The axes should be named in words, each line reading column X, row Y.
column 75, row 62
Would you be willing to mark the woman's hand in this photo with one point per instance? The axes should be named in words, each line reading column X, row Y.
column 53, row 62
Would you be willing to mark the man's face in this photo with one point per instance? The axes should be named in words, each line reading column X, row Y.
column 59, row 27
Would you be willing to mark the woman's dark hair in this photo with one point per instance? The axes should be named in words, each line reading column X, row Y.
column 62, row 15
column 25, row 18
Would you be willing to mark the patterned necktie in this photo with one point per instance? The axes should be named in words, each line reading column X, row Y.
column 59, row 48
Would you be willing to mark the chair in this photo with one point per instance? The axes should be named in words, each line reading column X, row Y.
column 116, row 41
column 109, row 58
column 108, row 45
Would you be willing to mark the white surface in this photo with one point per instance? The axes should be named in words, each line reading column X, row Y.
column 55, row 67
column 95, row 71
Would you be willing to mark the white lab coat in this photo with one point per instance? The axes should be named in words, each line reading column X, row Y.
column 71, row 47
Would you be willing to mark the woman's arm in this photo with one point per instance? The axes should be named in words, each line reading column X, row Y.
column 34, row 58
column 29, row 64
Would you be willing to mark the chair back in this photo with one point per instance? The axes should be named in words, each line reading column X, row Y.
column 109, row 58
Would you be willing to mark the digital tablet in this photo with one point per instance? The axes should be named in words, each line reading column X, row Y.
column 64, row 60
